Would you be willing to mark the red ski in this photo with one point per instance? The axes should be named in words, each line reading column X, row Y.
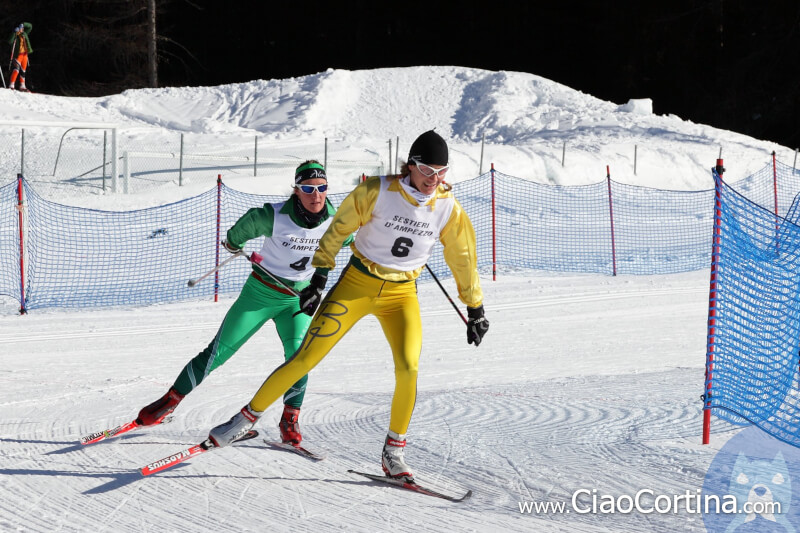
column 412, row 485
column 188, row 453
column 115, row 432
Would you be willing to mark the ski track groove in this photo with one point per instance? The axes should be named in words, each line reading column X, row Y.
column 507, row 442
column 213, row 326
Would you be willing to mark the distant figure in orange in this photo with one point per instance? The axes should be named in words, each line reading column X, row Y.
column 20, row 48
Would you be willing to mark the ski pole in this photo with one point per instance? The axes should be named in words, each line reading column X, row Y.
column 193, row 282
column 256, row 260
column 9, row 69
column 447, row 295
column 11, row 59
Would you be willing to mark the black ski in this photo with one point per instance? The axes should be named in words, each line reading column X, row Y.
column 413, row 485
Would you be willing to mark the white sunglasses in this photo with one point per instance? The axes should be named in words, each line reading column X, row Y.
column 309, row 189
column 428, row 171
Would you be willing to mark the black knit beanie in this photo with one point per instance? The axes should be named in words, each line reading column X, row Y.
column 429, row 148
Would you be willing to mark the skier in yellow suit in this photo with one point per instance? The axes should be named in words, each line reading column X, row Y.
column 399, row 219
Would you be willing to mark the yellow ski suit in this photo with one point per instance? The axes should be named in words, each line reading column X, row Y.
column 369, row 287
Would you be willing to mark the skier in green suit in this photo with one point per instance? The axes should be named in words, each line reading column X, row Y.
column 292, row 230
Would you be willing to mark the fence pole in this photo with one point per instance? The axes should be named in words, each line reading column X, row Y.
column 775, row 184
column 20, row 208
column 563, row 153
column 712, row 301
column 494, row 233
column 611, row 217
column 105, row 155
column 390, row 157
column 325, row 160
column 114, row 152
column 219, row 221
column 255, row 158
column 795, row 159
column 22, row 153
column 180, row 165
column 635, row 157
column 396, row 154
column 126, row 171
column 480, row 165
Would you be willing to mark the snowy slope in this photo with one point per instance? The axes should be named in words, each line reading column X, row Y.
column 530, row 125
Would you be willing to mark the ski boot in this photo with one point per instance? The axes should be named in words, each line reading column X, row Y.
column 392, row 459
column 159, row 409
column 290, row 427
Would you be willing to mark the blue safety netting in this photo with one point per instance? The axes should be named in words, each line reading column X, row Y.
column 753, row 375
column 83, row 257
column 77, row 257
column 661, row 232
column 760, row 187
column 569, row 228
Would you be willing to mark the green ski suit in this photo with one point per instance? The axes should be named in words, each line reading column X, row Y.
column 261, row 299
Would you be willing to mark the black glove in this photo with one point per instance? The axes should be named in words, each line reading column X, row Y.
column 231, row 248
column 311, row 296
column 477, row 325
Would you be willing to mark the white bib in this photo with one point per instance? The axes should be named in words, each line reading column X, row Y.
column 289, row 251
column 400, row 235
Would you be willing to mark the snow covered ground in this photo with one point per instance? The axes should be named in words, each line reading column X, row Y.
column 583, row 383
